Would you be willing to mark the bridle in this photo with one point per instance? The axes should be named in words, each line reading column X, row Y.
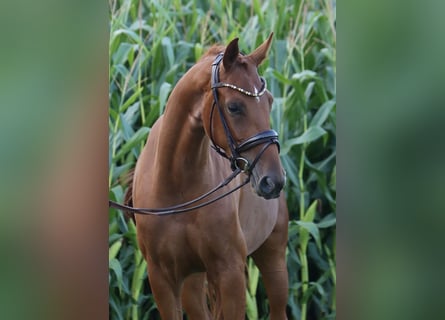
column 238, row 163
column 267, row 137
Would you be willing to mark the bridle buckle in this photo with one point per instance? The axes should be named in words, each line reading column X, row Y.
column 241, row 163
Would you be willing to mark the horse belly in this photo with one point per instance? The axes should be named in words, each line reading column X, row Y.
column 257, row 218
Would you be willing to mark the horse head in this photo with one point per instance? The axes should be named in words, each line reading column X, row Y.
column 237, row 118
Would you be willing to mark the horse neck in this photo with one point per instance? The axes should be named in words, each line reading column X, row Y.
column 183, row 144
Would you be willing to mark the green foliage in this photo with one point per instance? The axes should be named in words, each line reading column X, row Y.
column 152, row 44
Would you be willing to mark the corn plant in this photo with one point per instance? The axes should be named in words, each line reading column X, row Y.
column 152, row 44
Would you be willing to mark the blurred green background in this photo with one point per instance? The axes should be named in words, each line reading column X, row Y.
column 152, row 44
column 391, row 163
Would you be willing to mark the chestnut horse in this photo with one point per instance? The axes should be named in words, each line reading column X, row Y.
column 221, row 104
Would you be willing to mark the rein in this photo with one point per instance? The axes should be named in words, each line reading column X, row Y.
column 239, row 164
column 181, row 208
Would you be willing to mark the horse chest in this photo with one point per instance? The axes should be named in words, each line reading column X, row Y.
column 257, row 218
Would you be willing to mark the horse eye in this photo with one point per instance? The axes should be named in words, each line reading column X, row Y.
column 235, row 108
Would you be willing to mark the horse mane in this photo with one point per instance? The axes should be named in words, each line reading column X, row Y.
column 213, row 50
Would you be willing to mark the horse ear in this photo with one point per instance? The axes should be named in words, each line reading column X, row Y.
column 231, row 54
column 260, row 53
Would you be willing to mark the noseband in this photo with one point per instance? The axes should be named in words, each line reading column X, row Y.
column 267, row 137
column 238, row 163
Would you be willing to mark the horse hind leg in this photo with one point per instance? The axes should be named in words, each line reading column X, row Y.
column 270, row 258
column 194, row 298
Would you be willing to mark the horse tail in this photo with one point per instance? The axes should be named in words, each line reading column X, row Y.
column 128, row 196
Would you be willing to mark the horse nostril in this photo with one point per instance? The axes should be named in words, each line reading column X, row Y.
column 270, row 188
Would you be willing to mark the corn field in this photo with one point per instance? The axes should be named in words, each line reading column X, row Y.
column 152, row 44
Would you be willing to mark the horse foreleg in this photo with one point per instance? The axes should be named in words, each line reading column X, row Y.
column 270, row 258
column 166, row 293
column 275, row 279
column 194, row 297
column 229, row 287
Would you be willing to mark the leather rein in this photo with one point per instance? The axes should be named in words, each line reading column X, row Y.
column 238, row 163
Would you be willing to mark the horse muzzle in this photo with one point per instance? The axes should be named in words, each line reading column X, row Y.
column 269, row 187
